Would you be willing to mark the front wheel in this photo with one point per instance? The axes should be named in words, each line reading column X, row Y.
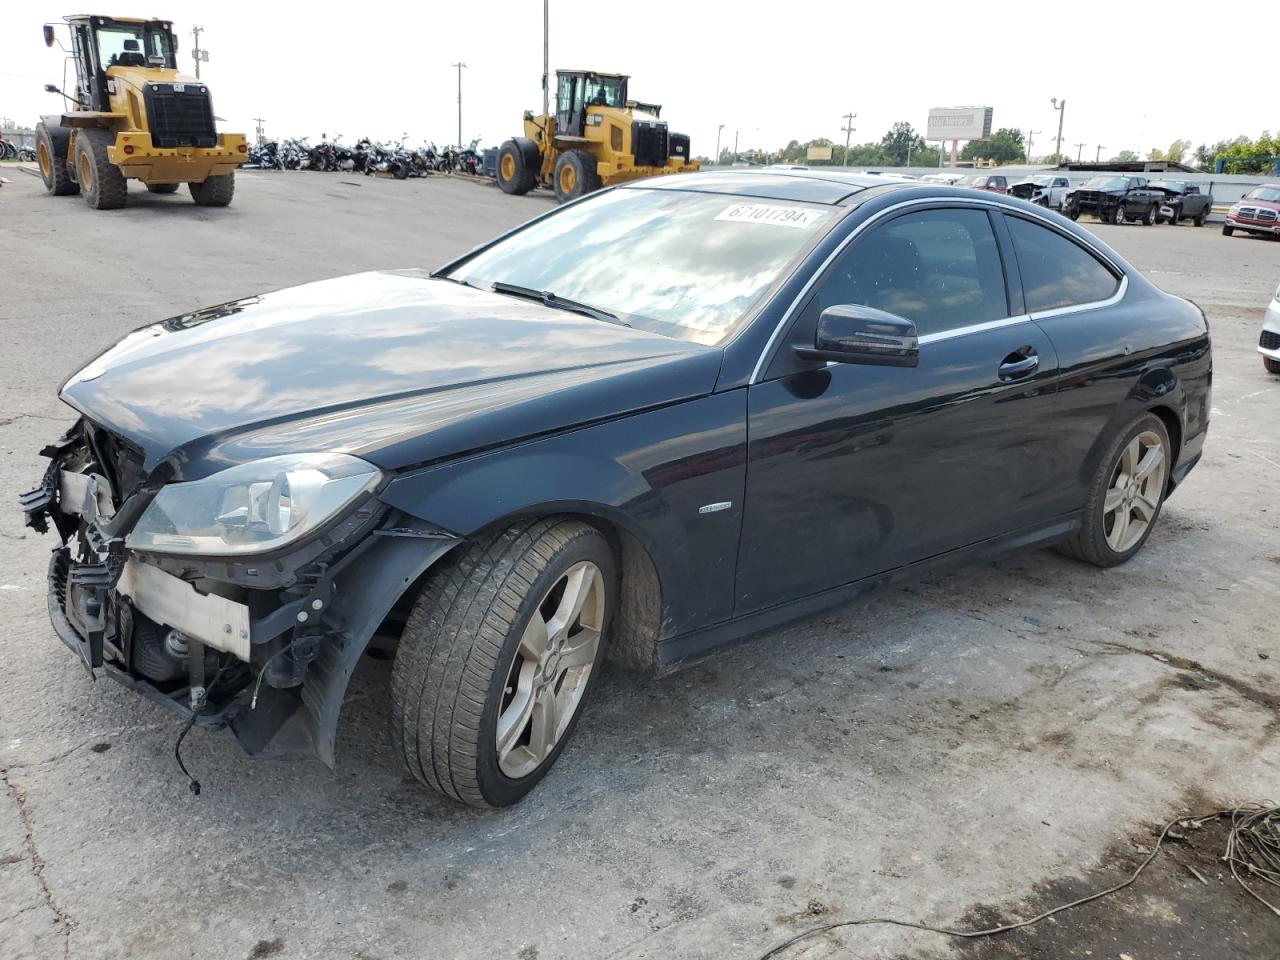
column 575, row 175
column 498, row 656
column 1118, row 214
column 1227, row 230
column 1073, row 213
column 215, row 191
column 1273, row 366
column 1150, row 216
column 1125, row 496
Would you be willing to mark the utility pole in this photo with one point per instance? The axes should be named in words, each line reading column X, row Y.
column 1097, row 157
column 1030, row 134
column 721, row 127
column 848, row 129
column 1080, row 151
column 459, row 65
column 735, row 147
column 546, row 59
column 259, row 121
column 195, row 48
column 1062, row 112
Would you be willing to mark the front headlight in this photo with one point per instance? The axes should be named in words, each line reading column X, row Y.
column 254, row 507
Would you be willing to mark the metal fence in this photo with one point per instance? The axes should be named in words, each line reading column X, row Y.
column 19, row 138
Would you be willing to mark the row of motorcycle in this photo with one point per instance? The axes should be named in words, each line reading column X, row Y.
column 12, row 151
column 367, row 156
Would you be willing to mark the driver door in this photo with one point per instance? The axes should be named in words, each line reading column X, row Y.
column 856, row 469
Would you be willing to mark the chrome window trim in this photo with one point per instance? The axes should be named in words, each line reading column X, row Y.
column 928, row 338
column 973, row 328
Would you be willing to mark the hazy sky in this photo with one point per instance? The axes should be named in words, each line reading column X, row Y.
column 771, row 71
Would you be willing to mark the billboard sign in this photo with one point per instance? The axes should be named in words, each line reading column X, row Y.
column 959, row 123
column 818, row 153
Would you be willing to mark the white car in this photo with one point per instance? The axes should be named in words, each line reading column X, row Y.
column 1269, row 342
column 948, row 178
column 1045, row 189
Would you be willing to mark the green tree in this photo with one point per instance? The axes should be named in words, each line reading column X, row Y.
column 1005, row 146
column 1055, row 159
column 1155, row 153
column 900, row 142
column 1177, row 150
column 1126, row 156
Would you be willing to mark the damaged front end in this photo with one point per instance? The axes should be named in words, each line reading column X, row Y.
column 238, row 599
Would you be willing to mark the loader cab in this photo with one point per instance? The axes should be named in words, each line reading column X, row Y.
column 100, row 43
column 576, row 90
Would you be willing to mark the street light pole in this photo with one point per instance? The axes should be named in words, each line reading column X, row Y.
column 718, row 131
column 459, row 65
column 546, row 58
column 195, row 48
column 1097, row 157
column 1080, row 151
column 1062, row 112
column 735, row 145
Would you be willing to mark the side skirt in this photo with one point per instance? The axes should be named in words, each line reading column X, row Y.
column 681, row 651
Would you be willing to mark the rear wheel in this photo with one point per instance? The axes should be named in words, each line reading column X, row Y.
column 575, row 175
column 102, row 184
column 1125, row 496
column 519, row 163
column 53, row 168
column 1201, row 216
column 162, row 188
column 216, row 191
column 498, row 656
column 1273, row 366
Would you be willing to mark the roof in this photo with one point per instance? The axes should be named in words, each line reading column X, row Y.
column 594, row 73
column 812, row 186
column 1129, row 166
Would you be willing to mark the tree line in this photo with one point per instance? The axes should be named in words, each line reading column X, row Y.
column 903, row 146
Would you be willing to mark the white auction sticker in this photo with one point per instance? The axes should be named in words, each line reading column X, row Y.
column 798, row 218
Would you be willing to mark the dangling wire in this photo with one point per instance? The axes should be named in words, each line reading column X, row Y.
column 197, row 710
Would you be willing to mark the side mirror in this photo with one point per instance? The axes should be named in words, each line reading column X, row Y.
column 50, row 88
column 851, row 333
column 48, row 35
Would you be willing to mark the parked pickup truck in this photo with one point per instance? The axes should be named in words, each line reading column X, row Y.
column 1183, row 200
column 1045, row 189
column 1114, row 198
column 1258, row 211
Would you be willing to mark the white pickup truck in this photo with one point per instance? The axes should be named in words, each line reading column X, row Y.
column 1048, row 190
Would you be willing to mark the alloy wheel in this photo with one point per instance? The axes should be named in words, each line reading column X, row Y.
column 1133, row 497
column 549, row 672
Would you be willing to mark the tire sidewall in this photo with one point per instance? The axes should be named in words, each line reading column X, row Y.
column 496, row 787
column 84, row 147
column 1095, row 516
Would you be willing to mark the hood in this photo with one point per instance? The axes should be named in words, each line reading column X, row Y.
column 397, row 368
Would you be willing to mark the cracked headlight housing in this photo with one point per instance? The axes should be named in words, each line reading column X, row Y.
column 253, row 508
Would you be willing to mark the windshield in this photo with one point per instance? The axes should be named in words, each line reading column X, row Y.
column 685, row 265
column 1269, row 194
column 1106, row 183
column 603, row 91
column 1039, row 181
column 132, row 44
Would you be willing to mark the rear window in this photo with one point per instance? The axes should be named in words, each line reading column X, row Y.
column 1057, row 272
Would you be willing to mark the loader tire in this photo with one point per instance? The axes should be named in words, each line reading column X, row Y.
column 575, row 175
column 162, row 188
column 216, row 191
column 102, row 184
column 519, row 164
column 53, row 168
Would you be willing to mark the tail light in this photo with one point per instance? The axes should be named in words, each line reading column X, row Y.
column 243, row 148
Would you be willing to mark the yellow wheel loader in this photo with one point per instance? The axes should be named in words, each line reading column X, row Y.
column 133, row 116
column 595, row 138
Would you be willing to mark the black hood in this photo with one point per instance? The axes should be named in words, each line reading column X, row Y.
column 397, row 368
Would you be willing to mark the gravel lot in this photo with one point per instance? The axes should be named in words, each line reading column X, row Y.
column 971, row 747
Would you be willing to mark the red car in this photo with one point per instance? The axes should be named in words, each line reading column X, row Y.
column 1257, row 212
column 995, row 182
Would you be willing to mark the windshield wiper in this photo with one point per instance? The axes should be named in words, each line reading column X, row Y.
column 549, row 299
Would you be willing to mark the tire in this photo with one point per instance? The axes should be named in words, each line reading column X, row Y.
column 1201, row 216
column 1149, row 218
column 216, row 191
column 1227, row 230
column 53, row 168
column 1094, row 542
column 402, row 170
column 1073, row 213
column 1273, row 366
column 575, row 175
column 519, row 166
column 162, row 188
column 462, row 664
column 1118, row 214
column 102, row 184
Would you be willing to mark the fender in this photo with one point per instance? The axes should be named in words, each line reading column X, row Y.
column 60, row 135
column 365, row 597
column 673, row 478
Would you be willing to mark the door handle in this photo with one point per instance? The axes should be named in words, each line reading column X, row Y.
column 1018, row 365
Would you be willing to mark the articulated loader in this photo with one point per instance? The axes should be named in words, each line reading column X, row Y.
column 133, row 116
column 595, row 138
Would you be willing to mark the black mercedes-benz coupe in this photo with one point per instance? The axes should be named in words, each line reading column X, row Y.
column 650, row 422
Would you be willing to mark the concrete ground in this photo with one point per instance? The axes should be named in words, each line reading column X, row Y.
column 966, row 749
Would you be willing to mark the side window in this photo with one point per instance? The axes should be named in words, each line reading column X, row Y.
column 1062, row 182
column 938, row 268
column 1057, row 272
column 1193, row 190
